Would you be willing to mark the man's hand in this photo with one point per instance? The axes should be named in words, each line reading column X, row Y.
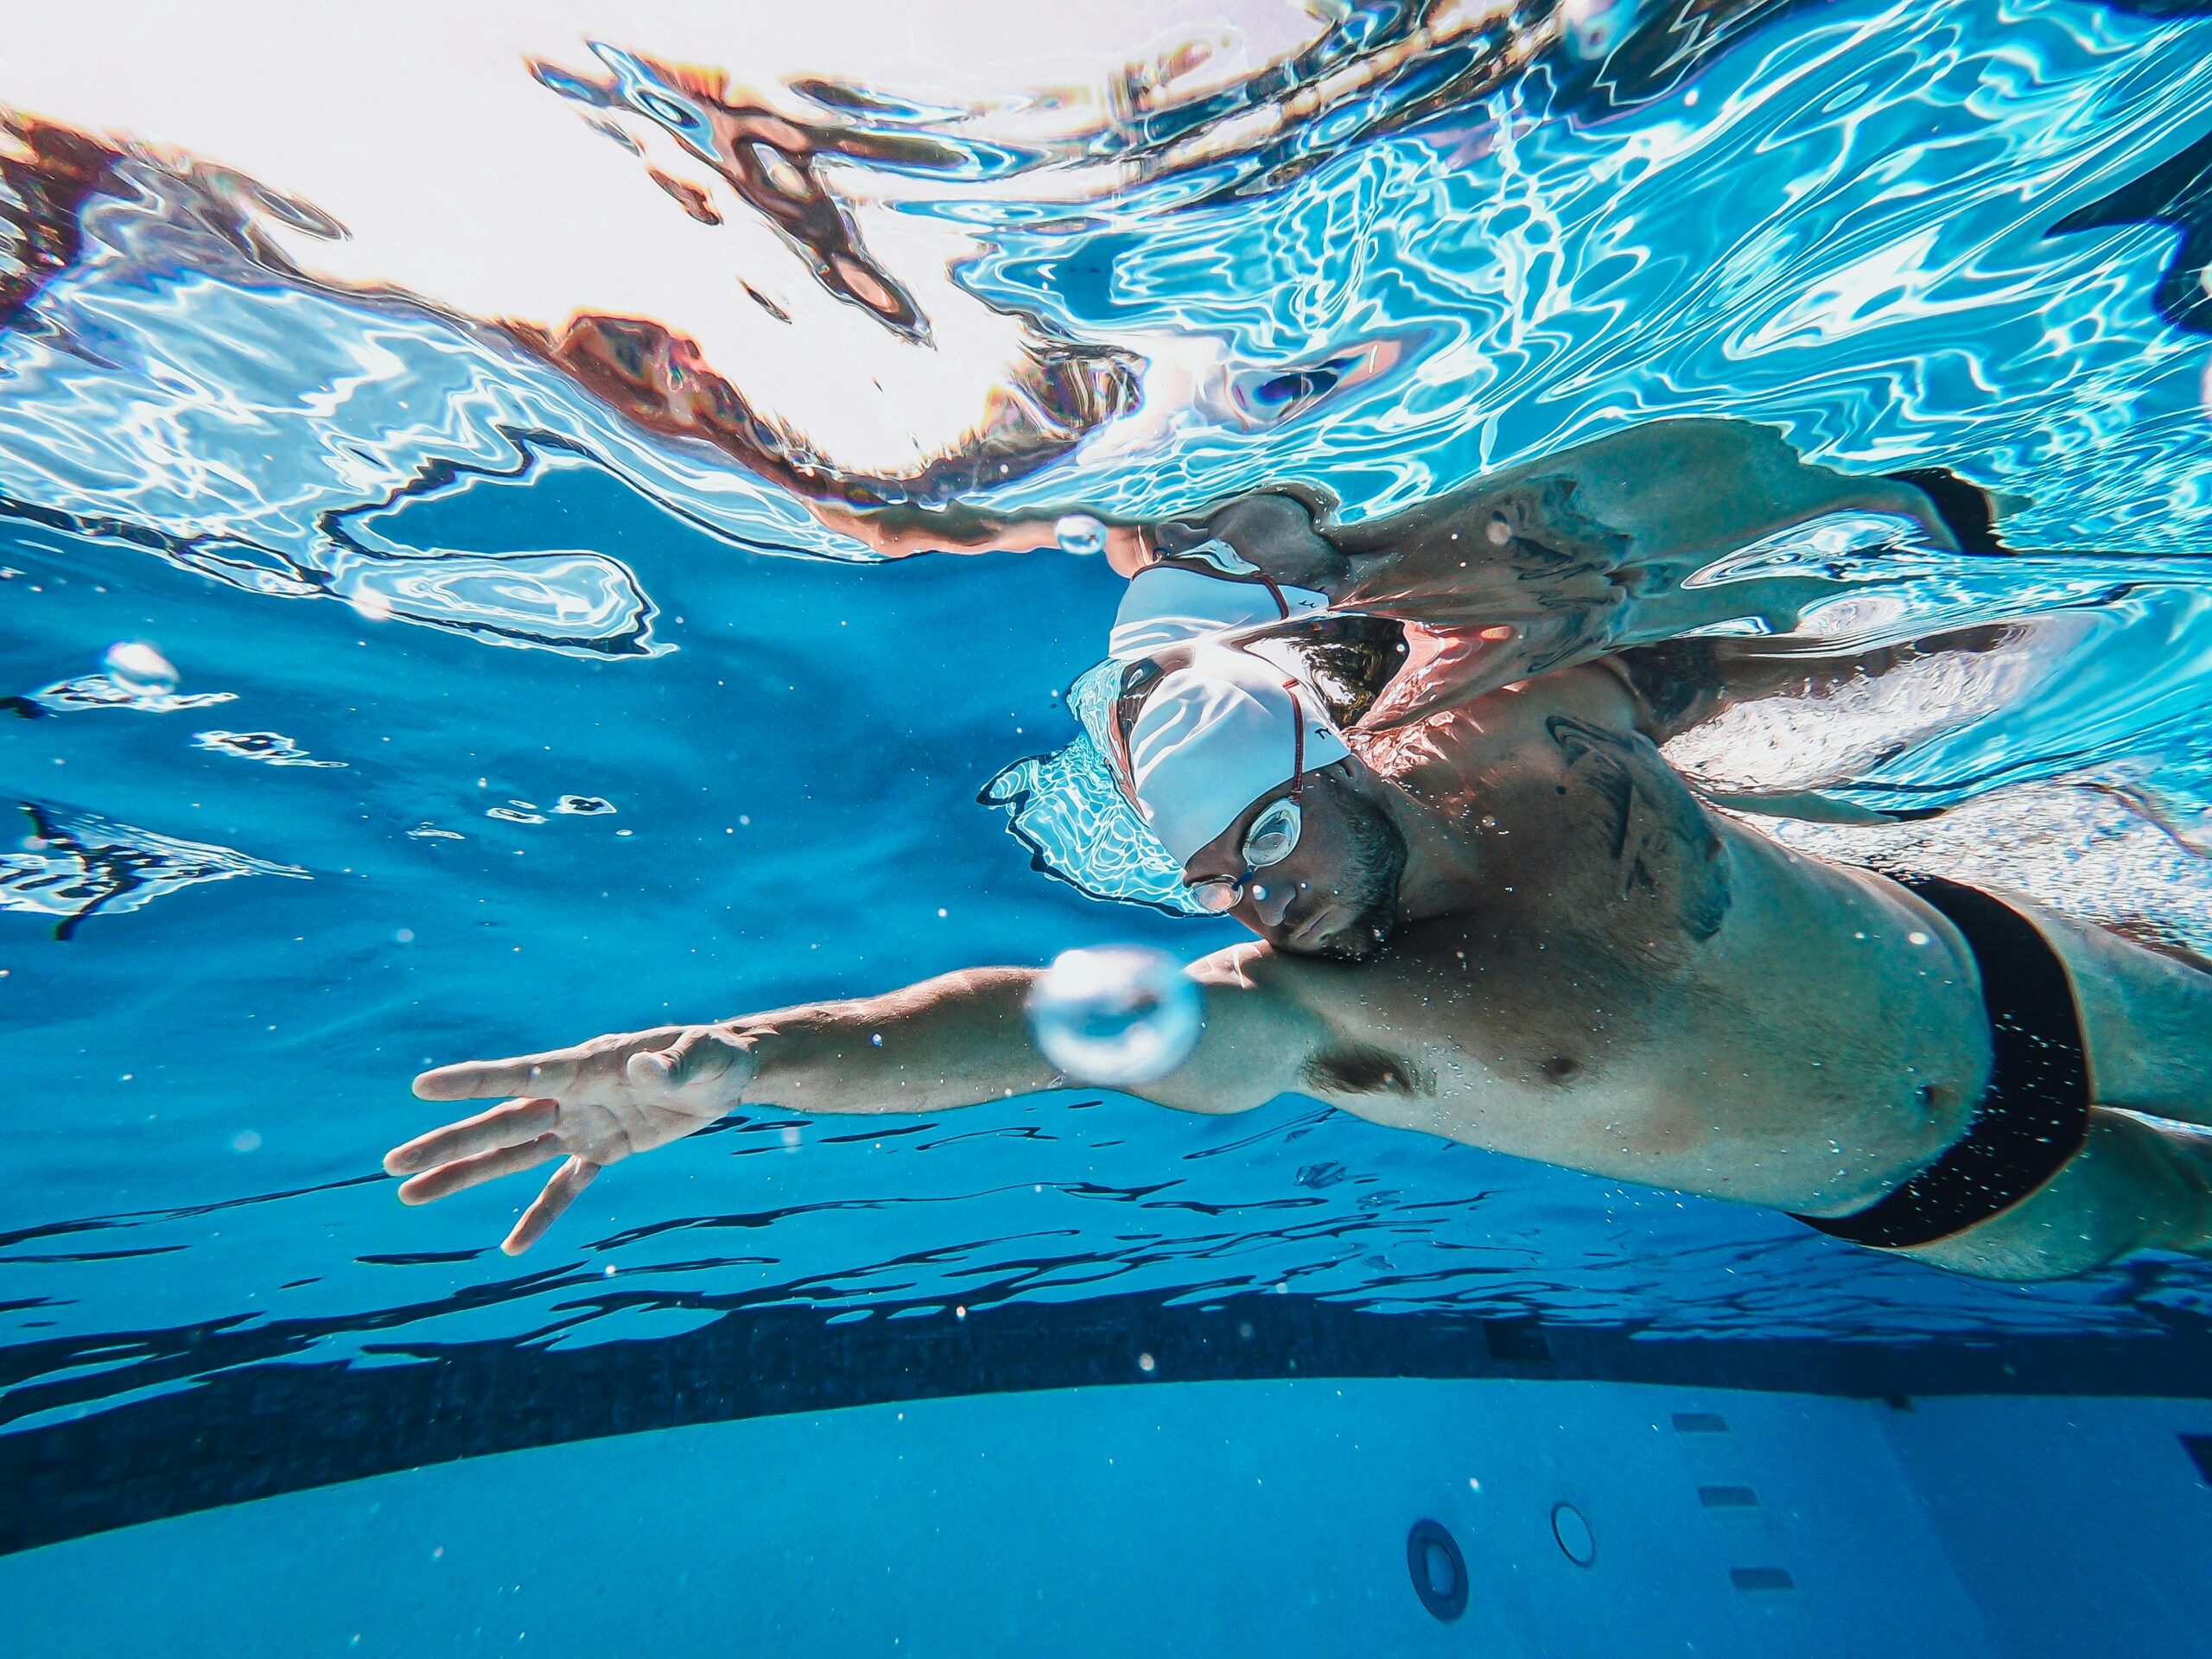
column 594, row 1105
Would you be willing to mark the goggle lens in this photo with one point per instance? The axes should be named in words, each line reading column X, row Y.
column 1216, row 895
column 1274, row 835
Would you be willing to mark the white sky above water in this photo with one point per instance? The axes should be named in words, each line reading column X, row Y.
column 418, row 126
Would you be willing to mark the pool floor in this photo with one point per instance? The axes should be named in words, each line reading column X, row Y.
column 1220, row 1518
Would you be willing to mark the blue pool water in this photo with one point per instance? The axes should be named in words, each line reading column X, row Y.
column 508, row 713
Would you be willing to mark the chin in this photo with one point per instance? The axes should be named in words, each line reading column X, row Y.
column 1367, row 888
column 1364, row 937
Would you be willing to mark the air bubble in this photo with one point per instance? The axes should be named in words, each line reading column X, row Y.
column 139, row 669
column 1080, row 533
column 1116, row 1014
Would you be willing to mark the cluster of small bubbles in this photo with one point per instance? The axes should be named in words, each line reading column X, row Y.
column 1080, row 533
column 139, row 669
column 1116, row 1014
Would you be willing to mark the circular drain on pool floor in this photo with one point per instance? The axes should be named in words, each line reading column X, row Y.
column 1576, row 1541
column 1438, row 1569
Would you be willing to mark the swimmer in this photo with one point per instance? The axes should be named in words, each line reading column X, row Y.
column 1509, row 924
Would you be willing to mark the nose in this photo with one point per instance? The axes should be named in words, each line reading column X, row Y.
column 1270, row 904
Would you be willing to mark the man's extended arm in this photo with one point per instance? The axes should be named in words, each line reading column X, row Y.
column 946, row 1042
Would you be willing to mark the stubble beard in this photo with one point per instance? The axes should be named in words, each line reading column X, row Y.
column 1374, row 865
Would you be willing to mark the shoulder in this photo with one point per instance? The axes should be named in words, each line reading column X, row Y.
column 1341, row 1031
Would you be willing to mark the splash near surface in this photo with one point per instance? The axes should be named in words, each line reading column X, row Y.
column 723, row 759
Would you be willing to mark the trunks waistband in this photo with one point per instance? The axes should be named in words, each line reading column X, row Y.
column 2033, row 1117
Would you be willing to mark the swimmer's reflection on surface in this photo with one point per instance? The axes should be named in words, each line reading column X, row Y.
column 1498, row 916
column 1597, row 552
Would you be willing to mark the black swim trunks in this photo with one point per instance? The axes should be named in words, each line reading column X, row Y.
column 2035, row 1114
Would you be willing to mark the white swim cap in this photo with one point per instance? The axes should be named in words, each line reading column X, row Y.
column 1212, row 738
column 1183, row 599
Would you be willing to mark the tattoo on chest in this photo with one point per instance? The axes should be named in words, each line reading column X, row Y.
column 1659, row 840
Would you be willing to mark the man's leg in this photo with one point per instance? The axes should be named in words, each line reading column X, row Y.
column 2134, row 1185
column 2146, row 1019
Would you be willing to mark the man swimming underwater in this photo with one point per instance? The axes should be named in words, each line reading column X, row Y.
column 1505, row 921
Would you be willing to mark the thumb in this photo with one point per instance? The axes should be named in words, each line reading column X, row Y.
column 652, row 1068
column 698, row 1055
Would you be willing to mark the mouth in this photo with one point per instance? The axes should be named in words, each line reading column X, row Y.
column 1314, row 929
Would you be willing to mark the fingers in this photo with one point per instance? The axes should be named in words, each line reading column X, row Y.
column 462, row 1173
column 511, row 1125
column 529, row 1074
column 560, row 1192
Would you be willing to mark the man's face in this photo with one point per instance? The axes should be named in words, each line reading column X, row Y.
column 1337, row 894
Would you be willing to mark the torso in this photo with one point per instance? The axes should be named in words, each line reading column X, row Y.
column 1639, row 988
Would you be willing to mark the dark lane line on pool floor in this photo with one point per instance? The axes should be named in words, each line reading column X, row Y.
column 262, row 1430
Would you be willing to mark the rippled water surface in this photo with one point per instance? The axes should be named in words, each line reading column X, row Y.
column 519, row 695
